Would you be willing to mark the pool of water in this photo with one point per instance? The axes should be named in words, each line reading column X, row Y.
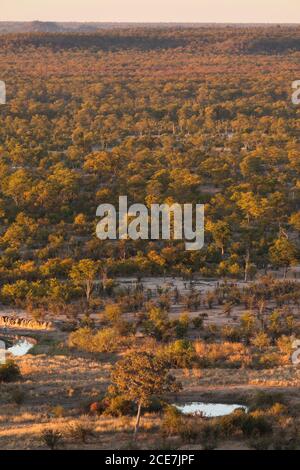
column 18, row 347
column 209, row 410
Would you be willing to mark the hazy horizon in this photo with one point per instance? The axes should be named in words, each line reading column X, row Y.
column 154, row 22
column 154, row 11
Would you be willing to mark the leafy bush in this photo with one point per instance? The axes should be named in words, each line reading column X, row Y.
column 284, row 345
column 278, row 409
column 208, row 435
column 51, row 438
column 81, row 339
column 188, row 430
column 81, row 431
column 222, row 354
column 97, row 407
column 9, row 372
column 198, row 322
column 179, row 354
column 155, row 405
column 120, row 406
column 245, row 423
column 113, row 313
column 261, row 340
column 172, row 420
column 105, row 340
column 268, row 360
column 263, row 400
column 181, row 326
column 58, row 411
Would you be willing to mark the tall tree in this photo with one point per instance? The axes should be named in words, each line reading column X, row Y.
column 140, row 376
column 84, row 274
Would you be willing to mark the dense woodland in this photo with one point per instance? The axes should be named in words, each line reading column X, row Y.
column 174, row 114
column 199, row 114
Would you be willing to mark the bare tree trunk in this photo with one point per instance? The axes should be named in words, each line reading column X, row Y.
column 88, row 291
column 138, row 419
column 247, row 262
